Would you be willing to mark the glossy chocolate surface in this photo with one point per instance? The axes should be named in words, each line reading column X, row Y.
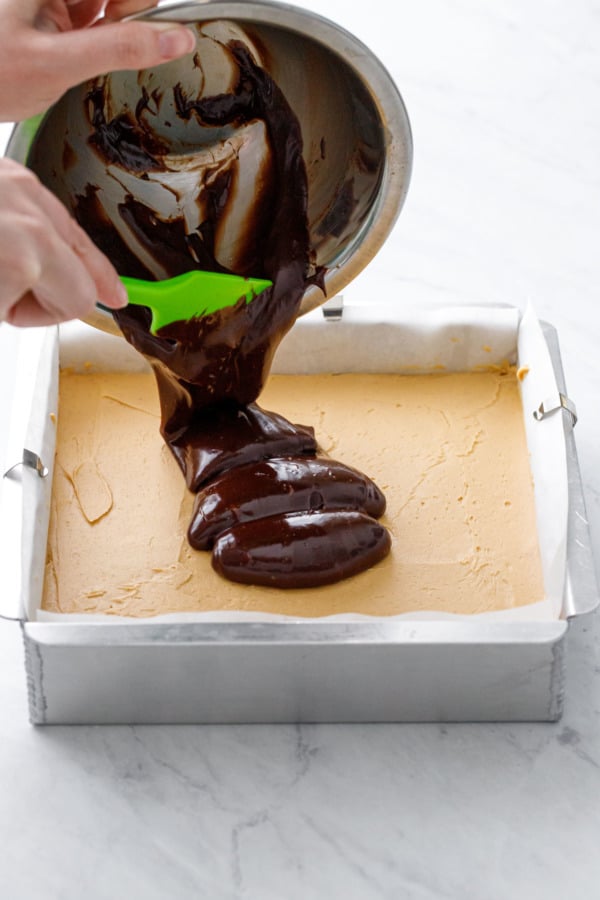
column 300, row 549
column 277, row 486
column 228, row 437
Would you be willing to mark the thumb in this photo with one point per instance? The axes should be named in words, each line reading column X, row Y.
column 81, row 54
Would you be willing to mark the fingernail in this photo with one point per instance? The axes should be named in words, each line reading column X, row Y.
column 174, row 40
column 121, row 298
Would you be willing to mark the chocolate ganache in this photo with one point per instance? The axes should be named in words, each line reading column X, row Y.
column 272, row 512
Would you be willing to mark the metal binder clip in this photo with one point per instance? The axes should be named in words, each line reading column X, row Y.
column 32, row 461
column 552, row 404
column 333, row 309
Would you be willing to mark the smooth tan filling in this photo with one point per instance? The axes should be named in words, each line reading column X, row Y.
column 448, row 450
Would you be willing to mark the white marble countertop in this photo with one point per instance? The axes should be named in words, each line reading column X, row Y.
column 504, row 206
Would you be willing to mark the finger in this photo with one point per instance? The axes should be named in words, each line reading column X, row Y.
column 110, row 290
column 46, row 221
column 75, row 56
column 53, row 273
column 23, row 11
column 65, row 287
column 63, row 290
column 27, row 313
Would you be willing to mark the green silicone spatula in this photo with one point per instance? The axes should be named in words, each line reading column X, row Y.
column 190, row 295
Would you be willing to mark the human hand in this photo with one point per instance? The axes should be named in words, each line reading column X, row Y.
column 47, row 47
column 50, row 269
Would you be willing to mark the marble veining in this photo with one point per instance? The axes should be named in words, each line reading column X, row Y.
column 504, row 206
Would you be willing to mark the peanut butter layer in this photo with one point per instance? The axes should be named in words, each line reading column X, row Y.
column 448, row 450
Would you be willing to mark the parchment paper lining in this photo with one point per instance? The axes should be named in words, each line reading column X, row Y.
column 380, row 339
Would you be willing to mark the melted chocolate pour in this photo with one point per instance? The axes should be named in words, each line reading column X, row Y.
column 273, row 513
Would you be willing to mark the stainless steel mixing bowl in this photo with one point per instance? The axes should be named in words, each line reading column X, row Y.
column 357, row 143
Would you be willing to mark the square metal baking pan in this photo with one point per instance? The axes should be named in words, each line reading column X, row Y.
column 368, row 671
